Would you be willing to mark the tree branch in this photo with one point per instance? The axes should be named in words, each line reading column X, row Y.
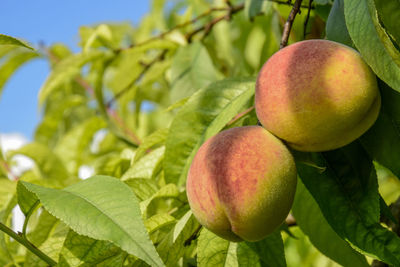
column 289, row 22
column 307, row 18
column 27, row 244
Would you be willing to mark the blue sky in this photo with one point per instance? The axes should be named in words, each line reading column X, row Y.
column 49, row 21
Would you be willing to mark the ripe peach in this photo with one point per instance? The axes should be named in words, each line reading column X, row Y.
column 241, row 183
column 317, row 95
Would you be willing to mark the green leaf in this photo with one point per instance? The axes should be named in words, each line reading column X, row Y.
column 253, row 8
column 363, row 32
column 156, row 138
column 147, row 166
column 51, row 122
column 8, row 40
column 204, row 115
column 48, row 163
column 13, row 62
column 171, row 251
column 7, row 192
column 191, row 69
column 44, row 227
column 215, row 251
column 67, row 69
column 382, row 140
column 26, row 199
column 142, row 187
column 73, row 145
column 388, row 12
column 336, row 29
column 82, row 251
column 51, row 246
column 347, row 193
column 311, row 221
column 270, row 250
column 108, row 202
column 158, row 221
column 167, row 191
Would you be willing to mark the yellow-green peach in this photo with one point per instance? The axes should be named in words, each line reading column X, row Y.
column 241, row 183
column 317, row 95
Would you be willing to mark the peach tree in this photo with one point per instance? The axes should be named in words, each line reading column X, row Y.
column 137, row 102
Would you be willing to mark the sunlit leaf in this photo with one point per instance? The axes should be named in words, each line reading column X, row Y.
column 107, row 201
column 8, row 40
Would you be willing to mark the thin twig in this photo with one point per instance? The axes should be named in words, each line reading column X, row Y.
column 307, row 18
column 31, row 247
column 208, row 27
column 89, row 89
column 146, row 67
column 240, row 115
column 289, row 22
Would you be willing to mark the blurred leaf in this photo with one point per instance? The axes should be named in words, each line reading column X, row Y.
column 7, row 192
column 156, row 138
column 82, row 251
column 253, row 8
column 13, row 62
column 311, row 221
column 388, row 12
column 52, row 120
column 147, row 166
column 102, row 35
column 191, row 70
column 382, row 140
column 48, row 163
column 204, row 115
column 347, row 194
column 111, row 204
column 66, row 69
column 336, row 29
column 8, row 40
column 73, row 145
column 360, row 24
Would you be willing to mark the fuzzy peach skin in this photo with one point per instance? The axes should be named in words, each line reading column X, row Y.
column 241, row 183
column 317, row 95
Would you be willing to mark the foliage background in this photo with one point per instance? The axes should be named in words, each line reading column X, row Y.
column 195, row 61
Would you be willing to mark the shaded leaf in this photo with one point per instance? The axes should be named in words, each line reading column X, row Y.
column 347, row 194
column 336, row 29
column 382, row 140
column 361, row 27
column 388, row 11
column 311, row 221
